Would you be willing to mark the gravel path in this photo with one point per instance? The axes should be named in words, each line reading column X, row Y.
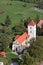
column 37, row 9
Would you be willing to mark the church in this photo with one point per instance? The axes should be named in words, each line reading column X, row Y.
column 22, row 41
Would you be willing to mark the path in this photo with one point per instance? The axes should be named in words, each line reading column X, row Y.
column 37, row 9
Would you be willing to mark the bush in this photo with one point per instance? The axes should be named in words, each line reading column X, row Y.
column 24, row 5
column 9, row 50
column 12, row 56
column 36, row 48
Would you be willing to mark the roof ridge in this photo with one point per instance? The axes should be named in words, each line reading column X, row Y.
column 22, row 37
column 32, row 23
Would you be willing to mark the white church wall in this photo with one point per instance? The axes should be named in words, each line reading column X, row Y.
column 32, row 31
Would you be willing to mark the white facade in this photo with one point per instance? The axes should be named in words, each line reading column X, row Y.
column 1, row 63
column 16, row 44
column 25, row 43
column 32, row 31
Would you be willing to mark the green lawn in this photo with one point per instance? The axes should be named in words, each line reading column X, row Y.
column 16, row 11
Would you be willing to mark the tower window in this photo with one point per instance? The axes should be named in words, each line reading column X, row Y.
column 30, row 27
column 30, row 31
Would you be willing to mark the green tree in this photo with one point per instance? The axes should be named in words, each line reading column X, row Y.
column 42, row 26
column 27, row 59
column 1, row 46
column 26, row 22
column 37, row 18
column 7, row 21
column 36, row 49
column 4, row 41
column 40, row 4
column 19, row 28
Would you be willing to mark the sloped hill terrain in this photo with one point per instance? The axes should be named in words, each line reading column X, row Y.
column 17, row 10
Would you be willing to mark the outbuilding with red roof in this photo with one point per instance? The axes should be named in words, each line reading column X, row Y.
column 40, row 23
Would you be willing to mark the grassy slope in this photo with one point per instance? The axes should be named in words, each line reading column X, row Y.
column 16, row 11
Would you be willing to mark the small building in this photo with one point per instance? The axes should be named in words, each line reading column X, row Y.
column 3, row 53
column 21, row 42
column 40, row 23
column 1, row 63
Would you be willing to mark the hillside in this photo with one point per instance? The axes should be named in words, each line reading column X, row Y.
column 14, row 19
column 17, row 11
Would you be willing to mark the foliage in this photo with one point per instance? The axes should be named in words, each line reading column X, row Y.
column 24, row 5
column 5, row 61
column 42, row 26
column 26, row 22
column 19, row 29
column 27, row 60
column 4, row 45
column 4, row 41
column 32, row 1
column 7, row 21
column 37, row 18
column 40, row 31
column 1, row 46
column 40, row 4
column 8, row 50
column 36, row 48
column 12, row 56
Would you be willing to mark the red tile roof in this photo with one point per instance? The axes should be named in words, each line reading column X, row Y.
column 32, row 23
column 17, row 36
column 3, row 53
column 40, row 23
column 22, row 38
